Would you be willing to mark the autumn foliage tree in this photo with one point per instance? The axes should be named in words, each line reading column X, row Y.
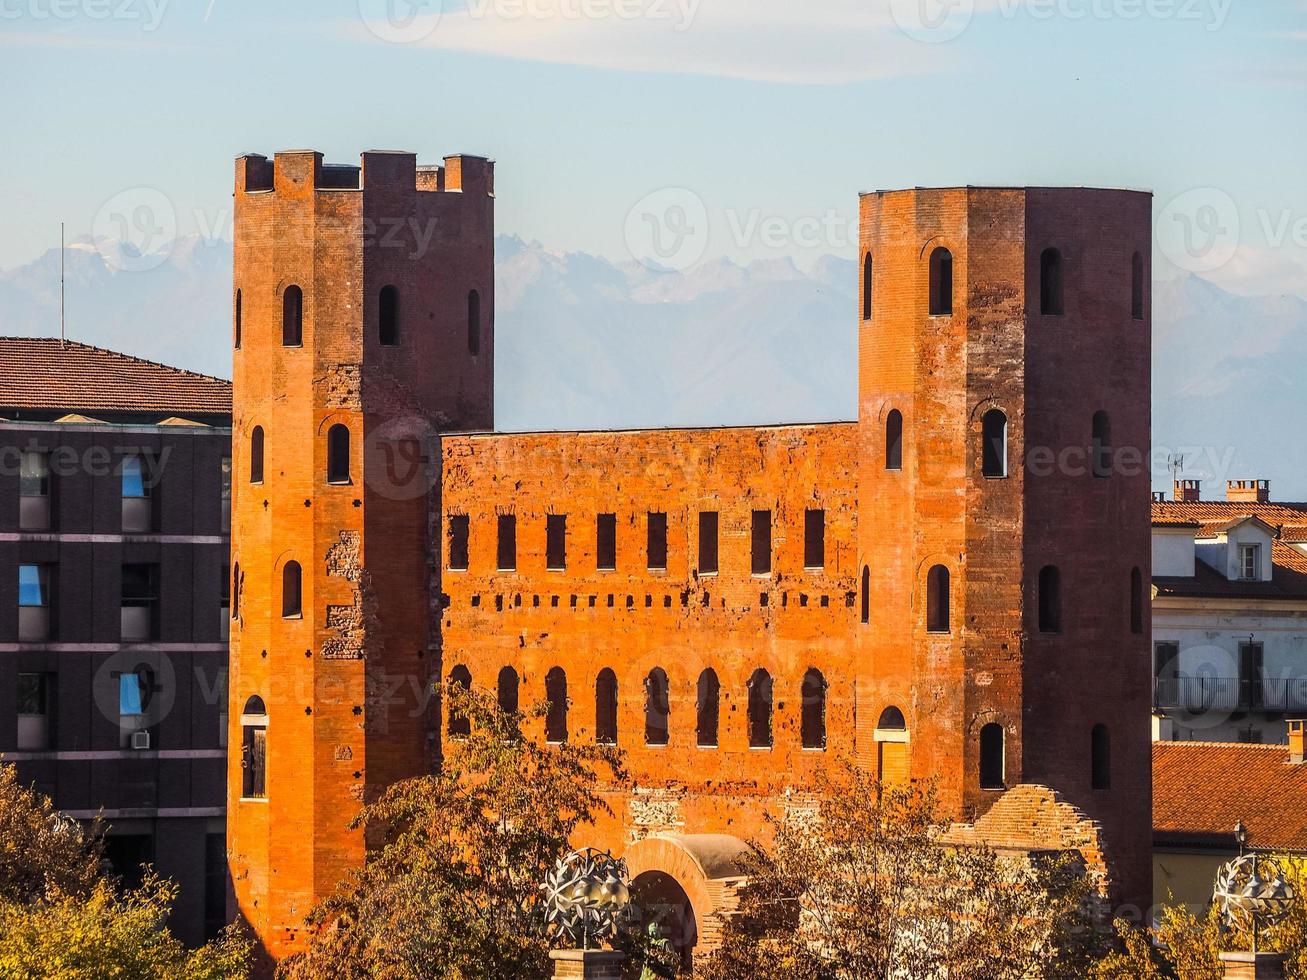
column 451, row 888
column 867, row 887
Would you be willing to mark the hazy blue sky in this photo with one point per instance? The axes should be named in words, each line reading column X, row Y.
column 760, row 109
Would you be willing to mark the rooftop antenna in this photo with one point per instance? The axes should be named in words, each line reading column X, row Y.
column 63, row 340
column 1176, row 465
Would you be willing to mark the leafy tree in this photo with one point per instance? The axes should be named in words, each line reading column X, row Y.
column 451, row 890
column 866, row 887
column 61, row 917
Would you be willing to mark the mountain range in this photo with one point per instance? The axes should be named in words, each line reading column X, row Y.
column 585, row 342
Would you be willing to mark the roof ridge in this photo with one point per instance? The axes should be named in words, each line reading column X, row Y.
column 1198, row 743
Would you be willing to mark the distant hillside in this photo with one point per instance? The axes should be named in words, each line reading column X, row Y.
column 587, row 343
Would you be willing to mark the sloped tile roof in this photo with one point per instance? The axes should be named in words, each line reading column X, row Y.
column 43, row 373
column 1287, row 523
column 1202, row 789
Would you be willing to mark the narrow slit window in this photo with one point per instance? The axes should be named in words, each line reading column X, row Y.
column 506, row 550
column 338, row 454
column 761, row 542
column 941, row 282
column 237, row 318
column 474, row 323
column 867, row 280
column 291, row 590
column 657, row 541
column 606, row 542
column 994, row 444
column 606, row 707
column 894, row 440
column 1101, row 446
column 556, row 542
column 760, row 710
column 657, row 710
column 292, row 317
column 388, row 316
column 556, row 695
column 707, row 709
column 1050, row 599
column 814, row 539
column 1050, row 282
column 256, row 455
column 708, row 542
column 459, row 529
column 866, row 595
column 937, row 600
column 993, row 763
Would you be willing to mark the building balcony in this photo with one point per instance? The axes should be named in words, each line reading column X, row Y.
column 1198, row 695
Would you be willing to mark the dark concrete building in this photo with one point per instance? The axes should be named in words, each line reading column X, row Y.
column 114, row 542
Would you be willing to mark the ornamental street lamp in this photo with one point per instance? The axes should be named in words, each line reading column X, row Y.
column 1252, row 892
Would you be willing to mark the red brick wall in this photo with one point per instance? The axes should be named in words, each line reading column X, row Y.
column 344, row 684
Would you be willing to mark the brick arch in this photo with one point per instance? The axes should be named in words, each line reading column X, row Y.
column 708, row 867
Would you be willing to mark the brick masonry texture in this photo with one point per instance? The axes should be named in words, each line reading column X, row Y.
column 384, row 602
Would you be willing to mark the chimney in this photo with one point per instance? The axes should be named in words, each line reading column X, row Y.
column 1187, row 491
column 1297, row 742
column 1248, row 491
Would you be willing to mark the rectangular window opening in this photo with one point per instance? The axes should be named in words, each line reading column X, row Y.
column 506, row 553
column 657, row 541
column 814, row 539
column 708, row 542
column 556, row 542
column 606, row 542
column 458, row 536
column 761, row 548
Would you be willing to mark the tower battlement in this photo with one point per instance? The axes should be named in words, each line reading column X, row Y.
column 300, row 170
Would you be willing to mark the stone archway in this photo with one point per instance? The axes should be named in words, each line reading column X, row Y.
column 691, row 881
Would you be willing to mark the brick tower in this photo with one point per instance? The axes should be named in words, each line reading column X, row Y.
column 1004, row 498
column 363, row 305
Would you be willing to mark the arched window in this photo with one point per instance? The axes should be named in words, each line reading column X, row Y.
column 256, row 455
column 338, row 454
column 254, row 750
column 388, row 316
column 1137, row 286
column 238, row 319
column 291, row 590
column 993, row 462
column 474, row 322
column 292, row 317
column 606, row 708
column 866, row 286
column 1050, row 282
column 1050, row 599
column 657, row 729
column 460, row 726
column 993, row 765
column 941, row 282
column 813, row 719
column 1100, row 760
column 556, row 695
column 1136, row 600
column 894, row 440
column 507, row 690
column 707, row 709
column 866, row 595
column 892, row 766
column 1101, row 447
column 760, row 702
column 937, row 600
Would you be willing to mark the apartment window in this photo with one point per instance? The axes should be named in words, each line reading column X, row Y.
column 254, row 750
column 224, row 605
column 224, row 477
column 338, row 454
column 707, row 709
column 1100, row 757
column 137, row 513
column 458, row 541
column 993, row 764
column 139, row 603
column 292, row 589
column 814, row 539
column 506, row 547
column 813, row 720
column 1251, row 660
column 460, row 726
column 761, row 542
column 1050, row 282
column 937, row 600
column 894, row 440
column 556, row 542
column 657, row 541
column 1101, row 446
column 256, row 454
column 136, row 690
column 657, row 708
column 556, row 716
column 1250, row 562
column 1136, row 601
column 238, row 320
column 866, row 286
column 760, row 710
column 474, row 323
column 606, row 542
column 1050, row 599
column 292, row 317
column 941, row 282
column 993, row 461
column 34, row 604
column 36, row 702
column 1137, row 287
column 606, row 707
column 388, row 316
column 34, row 492
column 708, row 542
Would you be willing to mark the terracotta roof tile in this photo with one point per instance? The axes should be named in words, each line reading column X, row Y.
column 45, row 374
column 1287, row 522
column 1202, row 789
